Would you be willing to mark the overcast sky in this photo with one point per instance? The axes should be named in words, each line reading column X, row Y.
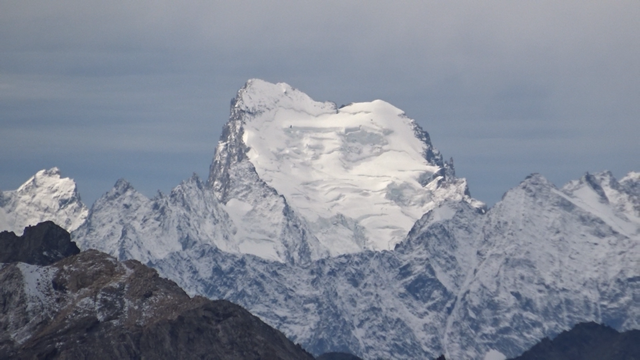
column 140, row 89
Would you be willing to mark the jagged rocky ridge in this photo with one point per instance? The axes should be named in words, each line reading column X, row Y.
column 91, row 306
column 128, row 225
column 464, row 282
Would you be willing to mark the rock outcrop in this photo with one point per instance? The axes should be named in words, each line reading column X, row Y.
column 42, row 245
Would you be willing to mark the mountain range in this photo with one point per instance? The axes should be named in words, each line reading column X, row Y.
column 344, row 228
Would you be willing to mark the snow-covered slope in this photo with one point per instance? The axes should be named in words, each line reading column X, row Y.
column 355, row 178
column 45, row 196
column 549, row 259
column 463, row 282
column 386, row 304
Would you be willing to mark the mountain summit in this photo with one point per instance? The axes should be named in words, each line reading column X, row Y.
column 343, row 179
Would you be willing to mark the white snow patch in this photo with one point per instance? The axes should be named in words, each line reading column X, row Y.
column 39, row 297
column 260, row 247
column 239, row 208
column 443, row 213
column 247, row 240
column 37, row 284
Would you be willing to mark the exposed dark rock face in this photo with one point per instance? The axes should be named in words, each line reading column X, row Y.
column 337, row 356
column 91, row 306
column 587, row 341
column 42, row 244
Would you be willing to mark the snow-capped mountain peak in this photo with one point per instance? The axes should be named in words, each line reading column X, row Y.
column 356, row 178
column 45, row 196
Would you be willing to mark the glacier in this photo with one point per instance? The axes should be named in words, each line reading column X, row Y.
column 288, row 225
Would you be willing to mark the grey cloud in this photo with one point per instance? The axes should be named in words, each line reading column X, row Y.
column 504, row 87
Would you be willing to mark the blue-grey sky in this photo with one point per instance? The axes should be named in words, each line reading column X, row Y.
column 140, row 89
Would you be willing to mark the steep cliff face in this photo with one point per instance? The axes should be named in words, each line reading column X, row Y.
column 90, row 306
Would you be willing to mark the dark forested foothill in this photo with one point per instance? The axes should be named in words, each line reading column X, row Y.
column 587, row 341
